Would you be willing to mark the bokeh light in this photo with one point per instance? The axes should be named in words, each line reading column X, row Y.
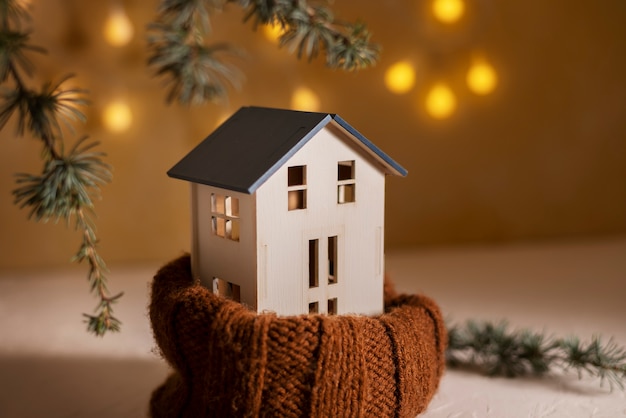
column 117, row 116
column 118, row 29
column 400, row 77
column 303, row 98
column 440, row 101
column 448, row 11
column 482, row 77
column 273, row 31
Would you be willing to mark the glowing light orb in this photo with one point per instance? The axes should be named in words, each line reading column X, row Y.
column 440, row 101
column 303, row 98
column 482, row 78
column 273, row 31
column 400, row 77
column 448, row 11
column 118, row 29
column 117, row 117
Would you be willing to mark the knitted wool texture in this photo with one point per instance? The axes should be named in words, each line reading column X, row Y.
column 229, row 361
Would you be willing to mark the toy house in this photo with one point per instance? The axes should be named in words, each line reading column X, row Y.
column 288, row 212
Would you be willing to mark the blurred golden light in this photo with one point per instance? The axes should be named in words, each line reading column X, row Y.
column 303, row 98
column 273, row 31
column 440, row 101
column 448, row 11
column 118, row 29
column 400, row 77
column 117, row 116
column 482, row 77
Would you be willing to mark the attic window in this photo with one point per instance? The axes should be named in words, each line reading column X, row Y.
column 225, row 216
column 296, row 187
column 346, row 187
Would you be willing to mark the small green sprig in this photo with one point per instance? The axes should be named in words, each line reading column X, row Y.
column 196, row 72
column 70, row 180
column 309, row 30
column 499, row 351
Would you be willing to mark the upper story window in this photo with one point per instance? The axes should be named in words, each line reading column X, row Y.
column 225, row 216
column 296, row 187
column 346, row 192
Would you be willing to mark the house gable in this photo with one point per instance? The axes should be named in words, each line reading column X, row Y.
column 350, row 230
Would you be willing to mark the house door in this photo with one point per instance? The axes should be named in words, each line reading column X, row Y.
column 323, row 281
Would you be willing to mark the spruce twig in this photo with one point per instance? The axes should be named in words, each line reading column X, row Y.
column 196, row 72
column 499, row 351
column 311, row 29
column 69, row 180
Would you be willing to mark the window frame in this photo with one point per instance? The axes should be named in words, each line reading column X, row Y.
column 225, row 219
column 296, row 188
column 346, row 183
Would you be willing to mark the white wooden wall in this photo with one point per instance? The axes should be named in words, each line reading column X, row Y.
column 283, row 235
column 214, row 256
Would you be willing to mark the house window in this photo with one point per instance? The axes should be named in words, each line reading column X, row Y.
column 296, row 187
column 332, row 260
column 313, row 262
column 314, row 307
column 346, row 192
column 225, row 216
column 226, row 289
column 332, row 306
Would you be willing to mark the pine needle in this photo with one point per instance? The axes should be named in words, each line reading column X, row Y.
column 499, row 351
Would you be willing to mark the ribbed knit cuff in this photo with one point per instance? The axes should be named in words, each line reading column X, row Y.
column 231, row 362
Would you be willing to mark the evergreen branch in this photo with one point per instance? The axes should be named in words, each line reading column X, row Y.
column 353, row 51
column 12, row 47
column 309, row 30
column 104, row 320
column 65, row 190
column 65, row 186
column 69, row 181
column 499, row 351
column 12, row 11
column 196, row 72
column 189, row 13
column 41, row 111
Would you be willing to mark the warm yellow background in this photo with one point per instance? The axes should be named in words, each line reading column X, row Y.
column 544, row 156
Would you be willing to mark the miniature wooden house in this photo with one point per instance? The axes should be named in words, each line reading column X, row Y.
column 288, row 212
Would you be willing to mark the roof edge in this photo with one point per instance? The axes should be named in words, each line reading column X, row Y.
column 310, row 134
column 394, row 167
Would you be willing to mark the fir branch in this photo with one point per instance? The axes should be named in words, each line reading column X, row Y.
column 12, row 47
column 499, row 351
column 70, row 181
column 104, row 320
column 41, row 111
column 196, row 72
column 309, row 30
column 66, row 185
column 13, row 11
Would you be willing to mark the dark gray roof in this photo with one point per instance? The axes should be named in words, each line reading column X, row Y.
column 252, row 144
